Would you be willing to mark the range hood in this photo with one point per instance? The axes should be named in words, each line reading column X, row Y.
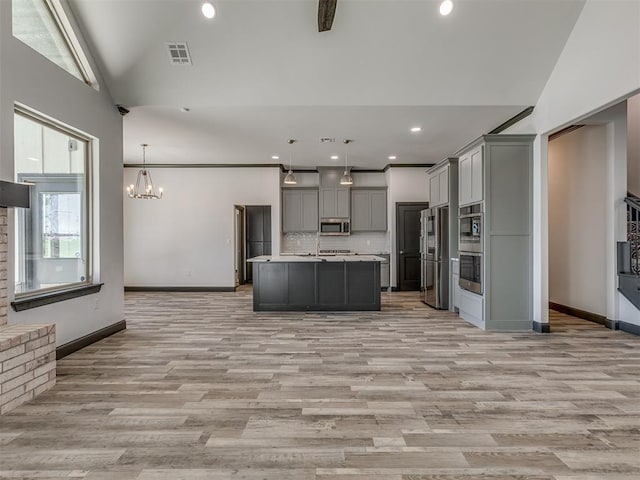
column 14, row 194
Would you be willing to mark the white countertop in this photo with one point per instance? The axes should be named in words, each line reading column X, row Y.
column 314, row 259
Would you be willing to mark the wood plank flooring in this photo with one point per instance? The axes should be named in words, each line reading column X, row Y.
column 200, row 387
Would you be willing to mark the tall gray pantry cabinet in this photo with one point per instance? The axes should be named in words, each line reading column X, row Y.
column 496, row 173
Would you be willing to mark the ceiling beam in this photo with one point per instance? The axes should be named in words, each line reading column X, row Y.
column 326, row 12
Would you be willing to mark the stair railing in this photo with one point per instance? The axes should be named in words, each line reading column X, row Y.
column 633, row 233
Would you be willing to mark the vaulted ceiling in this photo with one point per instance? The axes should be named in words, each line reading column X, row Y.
column 262, row 73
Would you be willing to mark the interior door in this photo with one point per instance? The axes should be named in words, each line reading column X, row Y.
column 408, row 245
column 258, row 234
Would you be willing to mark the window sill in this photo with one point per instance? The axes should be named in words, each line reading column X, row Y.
column 55, row 297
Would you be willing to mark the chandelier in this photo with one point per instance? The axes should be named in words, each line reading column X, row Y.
column 144, row 184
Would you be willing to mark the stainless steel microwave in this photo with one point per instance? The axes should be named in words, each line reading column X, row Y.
column 470, row 229
column 334, row 226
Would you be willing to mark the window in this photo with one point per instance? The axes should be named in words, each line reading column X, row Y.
column 44, row 26
column 53, row 241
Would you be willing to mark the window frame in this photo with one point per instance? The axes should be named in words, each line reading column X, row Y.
column 88, row 242
column 62, row 22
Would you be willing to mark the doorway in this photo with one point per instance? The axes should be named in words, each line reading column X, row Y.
column 586, row 191
column 258, row 235
column 408, row 245
column 239, row 250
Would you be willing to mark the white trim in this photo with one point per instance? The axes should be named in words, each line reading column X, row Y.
column 62, row 20
column 89, row 212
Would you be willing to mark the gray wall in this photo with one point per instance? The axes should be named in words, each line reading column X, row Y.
column 577, row 219
column 32, row 80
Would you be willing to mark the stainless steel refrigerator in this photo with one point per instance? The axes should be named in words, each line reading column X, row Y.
column 434, row 257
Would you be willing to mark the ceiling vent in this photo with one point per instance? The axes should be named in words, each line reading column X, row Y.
column 327, row 140
column 179, row 53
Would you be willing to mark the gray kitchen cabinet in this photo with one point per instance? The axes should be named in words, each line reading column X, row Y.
column 439, row 187
column 360, row 210
column 299, row 210
column 334, row 202
column 498, row 170
column 368, row 210
column 470, row 187
column 385, row 271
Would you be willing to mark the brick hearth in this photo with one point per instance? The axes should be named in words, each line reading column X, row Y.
column 27, row 352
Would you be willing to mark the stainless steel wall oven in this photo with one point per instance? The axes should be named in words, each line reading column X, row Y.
column 471, row 272
column 471, row 248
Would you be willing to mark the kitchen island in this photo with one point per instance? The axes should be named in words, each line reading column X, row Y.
column 316, row 283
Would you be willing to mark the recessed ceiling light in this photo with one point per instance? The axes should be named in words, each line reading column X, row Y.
column 446, row 7
column 416, row 129
column 208, row 10
column 392, row 157
column 275, row 157
column 334, row 157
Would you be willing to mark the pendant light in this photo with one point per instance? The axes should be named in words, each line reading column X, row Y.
column 290, row 179
column 144, row 188
column 346, row 178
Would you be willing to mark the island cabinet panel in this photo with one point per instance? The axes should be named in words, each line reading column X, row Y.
column 272, row 279
column 299, row 210
column 331, row 284
column 301, row 280
column 359, row 275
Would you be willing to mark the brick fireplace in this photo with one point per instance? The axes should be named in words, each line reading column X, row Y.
column 27, row 351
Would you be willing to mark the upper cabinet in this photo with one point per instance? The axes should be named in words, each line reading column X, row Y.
column 439, row 187
column 470, row 177
column 299, row 210
column 368, row 209
column 334, row 202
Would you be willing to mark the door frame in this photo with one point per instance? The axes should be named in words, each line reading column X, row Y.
column 396, row 254
column 239, row 232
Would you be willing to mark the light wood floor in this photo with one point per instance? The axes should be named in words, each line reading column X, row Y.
column 200, row 387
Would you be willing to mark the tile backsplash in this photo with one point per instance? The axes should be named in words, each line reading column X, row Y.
column 361, row 242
